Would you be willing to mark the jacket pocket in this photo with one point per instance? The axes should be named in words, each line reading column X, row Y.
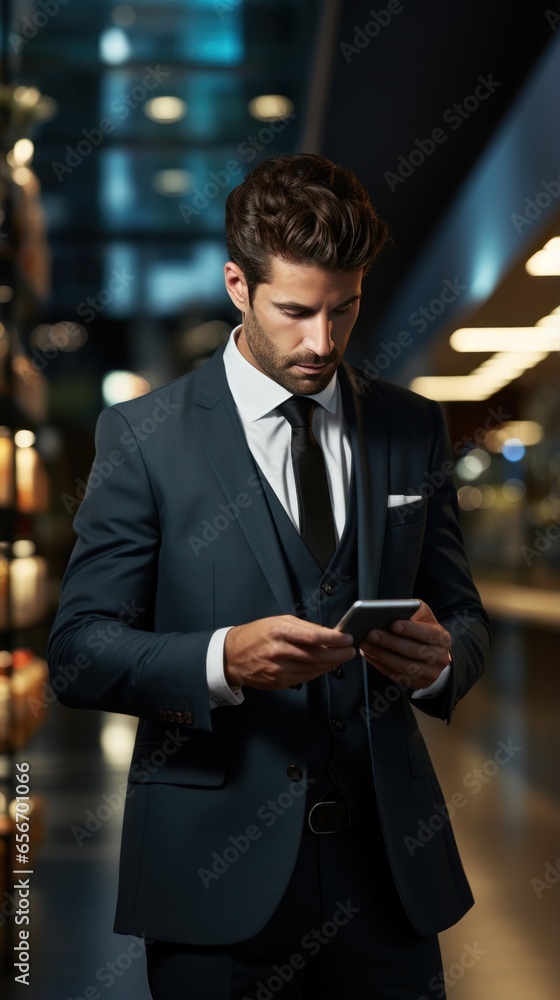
column 193, row 766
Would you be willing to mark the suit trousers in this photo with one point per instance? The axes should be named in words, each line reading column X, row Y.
column 340, row 931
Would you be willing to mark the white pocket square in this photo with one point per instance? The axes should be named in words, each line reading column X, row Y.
column 398, row 499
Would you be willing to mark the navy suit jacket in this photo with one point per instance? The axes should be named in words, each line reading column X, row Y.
column 176, row 539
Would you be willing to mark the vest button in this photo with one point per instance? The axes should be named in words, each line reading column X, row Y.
column 338, row 672
column 329, row 588
column 294, row 773
column 338, row 724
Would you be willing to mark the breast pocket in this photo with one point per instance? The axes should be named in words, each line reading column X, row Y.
column 406, row 513
column 402, row 549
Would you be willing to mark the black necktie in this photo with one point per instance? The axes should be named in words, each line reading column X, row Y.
column 315, row 512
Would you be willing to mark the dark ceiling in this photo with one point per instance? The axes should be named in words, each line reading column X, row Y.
column 387, row 99
column 368, row 84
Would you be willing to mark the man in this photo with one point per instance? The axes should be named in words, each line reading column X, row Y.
column 279, row 779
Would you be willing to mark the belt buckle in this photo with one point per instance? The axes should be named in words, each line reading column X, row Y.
column 329, row 802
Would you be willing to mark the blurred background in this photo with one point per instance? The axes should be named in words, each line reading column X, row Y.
column 123, row 127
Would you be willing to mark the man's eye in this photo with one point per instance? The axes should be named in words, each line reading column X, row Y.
column 294, row 315
column 345, row 309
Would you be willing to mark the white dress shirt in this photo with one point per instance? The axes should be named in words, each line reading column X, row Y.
column 269, row 438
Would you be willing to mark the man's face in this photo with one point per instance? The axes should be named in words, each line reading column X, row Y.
column 297, row 330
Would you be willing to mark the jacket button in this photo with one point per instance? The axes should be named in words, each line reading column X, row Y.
column 296, row 687
column 188, row 718
column 294, row 773
column 161, row 717
column 338, row 771
column 329, row 588
column 179, row 717
column 338, row 672
column 170, row 716
column 338, row 724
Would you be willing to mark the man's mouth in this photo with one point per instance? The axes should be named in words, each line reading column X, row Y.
column 313, row 368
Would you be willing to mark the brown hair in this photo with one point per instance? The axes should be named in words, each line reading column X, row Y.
column 304, row 209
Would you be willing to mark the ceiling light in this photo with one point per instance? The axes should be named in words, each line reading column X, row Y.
column 114, row 46
column 545, row 261
column 173, row 182
column 24, row 439
column 469, row 497
column 23, row 176
column 513, row 450
column 165, row 110
column 529, row 432
column 544, row 336
column 471, row 466
column 451, row 387
column 118, row 386
column 553, row 320
column 269, row 107
column 23, row 548
column 28, row 96
column 22, row 153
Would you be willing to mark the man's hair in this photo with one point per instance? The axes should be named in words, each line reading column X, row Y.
column 304, row 209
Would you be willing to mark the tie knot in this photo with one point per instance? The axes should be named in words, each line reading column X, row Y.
column 298, row 410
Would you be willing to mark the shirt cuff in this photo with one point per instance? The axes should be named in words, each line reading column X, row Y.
column 435, row 688
column 218, row 688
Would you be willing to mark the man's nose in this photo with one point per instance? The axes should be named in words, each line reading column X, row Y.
column 318, row 338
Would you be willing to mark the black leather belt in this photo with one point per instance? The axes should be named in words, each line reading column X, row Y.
column 329, row 817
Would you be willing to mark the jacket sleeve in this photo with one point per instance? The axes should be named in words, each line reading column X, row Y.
column 445, row 583
column 102, row 651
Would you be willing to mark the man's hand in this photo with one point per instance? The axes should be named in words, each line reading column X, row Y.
column 282, row 651
column 413, row 652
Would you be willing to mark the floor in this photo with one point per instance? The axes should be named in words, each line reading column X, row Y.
column 507, row 824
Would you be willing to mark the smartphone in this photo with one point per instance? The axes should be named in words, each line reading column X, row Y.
column 362, row 616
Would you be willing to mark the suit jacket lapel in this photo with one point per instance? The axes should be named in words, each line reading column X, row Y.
column 368, row 435
column 223, row 440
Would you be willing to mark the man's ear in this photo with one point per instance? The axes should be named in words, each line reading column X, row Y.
column 236, row 286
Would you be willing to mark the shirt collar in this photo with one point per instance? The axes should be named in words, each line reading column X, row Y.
column 254, row 393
